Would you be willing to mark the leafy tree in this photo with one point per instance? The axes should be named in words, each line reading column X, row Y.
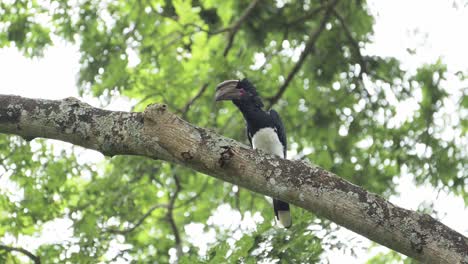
column 306, row 59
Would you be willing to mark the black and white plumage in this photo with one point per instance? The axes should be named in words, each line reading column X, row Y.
column 264, row 128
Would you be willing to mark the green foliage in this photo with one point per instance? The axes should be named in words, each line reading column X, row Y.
column 390, row 258
column 267, row 243
column 336, row 115
column 20, row 27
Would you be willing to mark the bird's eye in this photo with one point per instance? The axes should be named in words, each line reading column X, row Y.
column 242, row 91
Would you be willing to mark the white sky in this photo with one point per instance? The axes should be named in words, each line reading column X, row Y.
column 440, row 34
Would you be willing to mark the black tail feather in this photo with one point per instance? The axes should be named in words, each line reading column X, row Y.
column 282, row 212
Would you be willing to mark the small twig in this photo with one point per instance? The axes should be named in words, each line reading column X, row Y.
column 28, row 253
column 221, row 30
column 172, row 42
column 150, row 4
column 235, row 27
column 137, row 22
column 155, row 179
column 252, row 201
column 119, row 255
column 3, row 162
column 229, row 122
column 149, row 96
column 139, row 222
column 213, row 32
column 232, row 29
column 142, row 100
column 170, row 217
column 353, row 42
column 193, row 198
column 238, row 199
column 187, row 106
column 307, row 16
column 307, row 50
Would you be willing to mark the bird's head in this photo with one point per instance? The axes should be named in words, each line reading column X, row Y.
column 240, row 92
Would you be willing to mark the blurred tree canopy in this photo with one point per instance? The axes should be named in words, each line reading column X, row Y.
column 340, row 107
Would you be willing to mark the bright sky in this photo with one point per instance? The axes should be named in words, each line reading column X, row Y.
column 439, row 32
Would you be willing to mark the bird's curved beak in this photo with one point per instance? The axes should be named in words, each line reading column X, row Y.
column 227, row 90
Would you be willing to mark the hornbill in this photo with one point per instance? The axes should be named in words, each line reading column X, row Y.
column 264, row 128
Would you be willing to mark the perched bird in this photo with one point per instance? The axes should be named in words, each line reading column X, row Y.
column 264, row 128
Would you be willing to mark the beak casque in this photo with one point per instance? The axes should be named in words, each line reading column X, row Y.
column 227, row 90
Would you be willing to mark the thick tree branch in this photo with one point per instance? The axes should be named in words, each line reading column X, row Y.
column 159, row 134
column 28, row 253
column 309, row 47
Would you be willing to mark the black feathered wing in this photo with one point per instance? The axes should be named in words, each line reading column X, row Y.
column 279, row 128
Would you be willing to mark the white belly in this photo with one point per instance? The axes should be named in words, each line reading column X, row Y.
column 267, row 140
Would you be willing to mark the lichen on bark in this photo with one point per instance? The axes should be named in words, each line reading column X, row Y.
column 159, row 134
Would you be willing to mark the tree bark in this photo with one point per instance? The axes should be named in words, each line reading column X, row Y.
column 159, row 134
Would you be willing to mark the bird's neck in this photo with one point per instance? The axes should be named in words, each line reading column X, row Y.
column 251, row 112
